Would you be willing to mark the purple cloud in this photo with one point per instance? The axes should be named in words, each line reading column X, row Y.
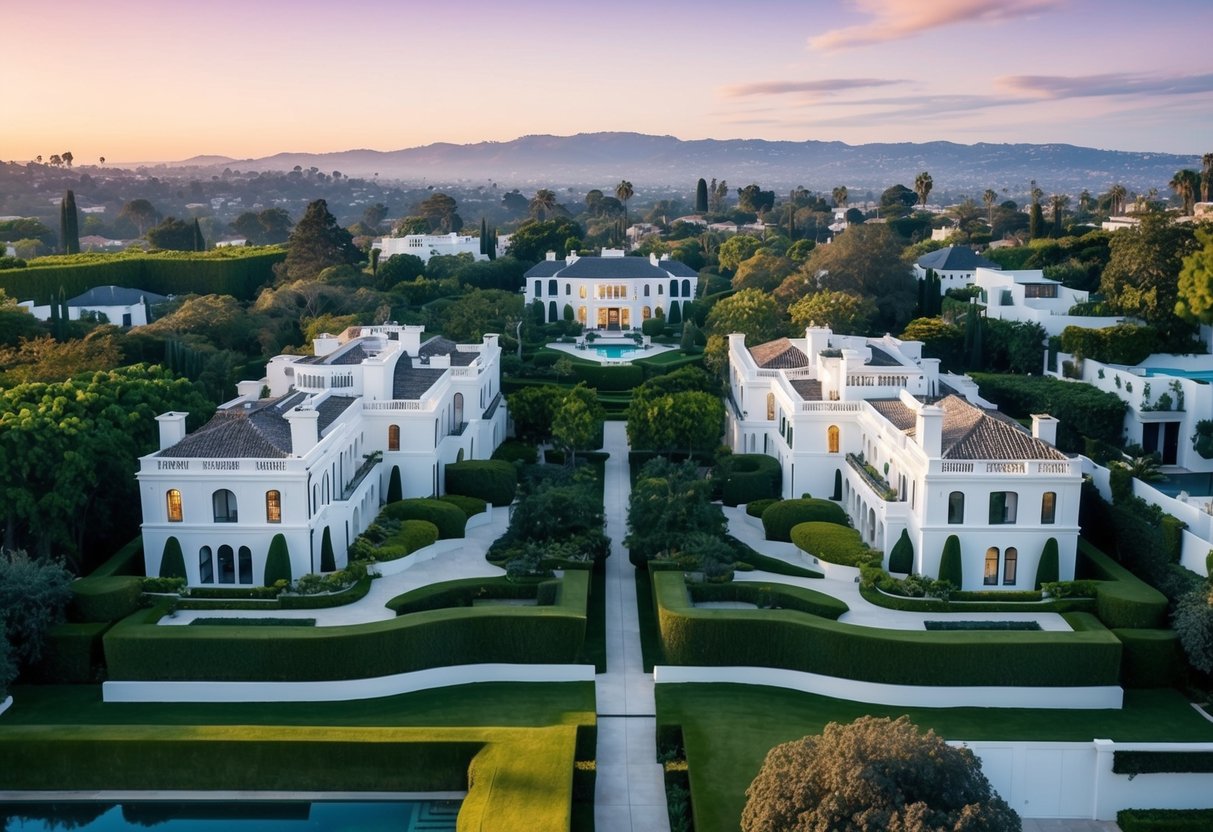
column 821, row 86
column 897, row 19
column 1091, row 86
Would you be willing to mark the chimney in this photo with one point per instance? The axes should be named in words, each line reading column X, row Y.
column 172, row 428
column 305, row 429
column 325, row 344
column 817, row 338
column 1044, row 428
column 653, row 258
column 250, row 388
column 410, row 339
column 928, row 429
column 550, row 256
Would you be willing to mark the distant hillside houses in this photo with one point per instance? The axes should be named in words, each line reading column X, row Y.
column 956, row 266
column 426, row 246
column 872, row 424
column 110, row 304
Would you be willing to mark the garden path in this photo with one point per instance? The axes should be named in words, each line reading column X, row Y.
column 630, row 791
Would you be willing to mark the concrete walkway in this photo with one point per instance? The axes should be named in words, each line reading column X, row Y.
column 630, row 791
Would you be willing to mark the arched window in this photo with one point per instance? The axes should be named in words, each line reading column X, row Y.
column 273, row 507
column 458, row 409
column 173, row 498
column 1048, row 508
column 646, row 313
column 1010, row 565
column 326, row 495
column 832, row 438
column 538, row 288
column 581, row 291
column 245, row 565
column 553, row 287
column 956, row 507
column 646, row 290
column 673, row 288
column 552, row 311
column 582, row 314
column 206, row 566
column 686, row 288
column 660, row 288
column 393, row 437
column 991, row 571
column 770, row 407
column 1003, row 507
column 224, row 504
column 227, row 565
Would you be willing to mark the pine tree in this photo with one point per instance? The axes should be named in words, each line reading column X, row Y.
column 69, row 224
column 317, row 242
column 701, row 197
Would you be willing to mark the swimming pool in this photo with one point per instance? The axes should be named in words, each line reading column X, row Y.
column 1196, row 375
column 336, row 816
column 615, row 351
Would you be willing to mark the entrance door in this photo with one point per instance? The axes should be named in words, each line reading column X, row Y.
column 613, row 318
column 1170, row 443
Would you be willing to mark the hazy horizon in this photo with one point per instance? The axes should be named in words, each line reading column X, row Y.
column 137, row 81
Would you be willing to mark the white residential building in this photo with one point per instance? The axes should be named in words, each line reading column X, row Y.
column 318, row 455
column 611, row 292
column 1027, row 295
column 119, row 305
column 426, row 246
column 871, row 424
column 955, row 266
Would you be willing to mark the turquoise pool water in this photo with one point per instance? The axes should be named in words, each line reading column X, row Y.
column 397, row 816
column 1198, row 375
column 615, row 351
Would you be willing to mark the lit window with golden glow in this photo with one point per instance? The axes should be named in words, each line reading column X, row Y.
column 273, row 507
column 174, row 505
column 770, row 407
column 393, row 437
column 832, row 438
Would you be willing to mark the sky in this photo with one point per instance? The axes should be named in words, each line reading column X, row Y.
column 149, row 80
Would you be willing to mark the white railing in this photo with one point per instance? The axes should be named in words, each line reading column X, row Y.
column 1006, row 468
column 956, row 467
column 397, row 404
column 830, row 407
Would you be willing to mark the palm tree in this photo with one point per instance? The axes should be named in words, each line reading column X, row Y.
column 624, row 191
column 1058, row 203
column 840, row 196
column 1118, row 194
column 989, row 198
column 1185, row 183
column 1084, row 200
column 922, row 186
column 1206, row 175
column 543, row 204
column 1144, row 467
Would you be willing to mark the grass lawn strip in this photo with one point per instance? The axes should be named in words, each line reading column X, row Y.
column 728, row 730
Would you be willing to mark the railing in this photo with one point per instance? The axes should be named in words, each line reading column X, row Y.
column 493, row 405
column 830, row 407
column 397, row 404
column 873, row 480
column 470, row 371
column 956, row 467
column 1007, row 467
column 365, row 468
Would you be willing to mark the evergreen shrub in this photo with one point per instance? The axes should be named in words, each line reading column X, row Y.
column 901, row 558
column 277, row 561
column 779, row 520
column 748, row 477
column 951, row 567
column 449, row 519
column 492, row 480
column 831, row 542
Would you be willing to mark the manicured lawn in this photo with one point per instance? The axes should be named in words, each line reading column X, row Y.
column 728, row 730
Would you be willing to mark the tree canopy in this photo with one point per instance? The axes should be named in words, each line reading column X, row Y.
column 317, row 243
column 873, row 775
column 33, row 595
column 1195, row 301
column 750, row 311
column 843, row 312
column 577, row 425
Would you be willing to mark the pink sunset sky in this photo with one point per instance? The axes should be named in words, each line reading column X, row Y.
column 137, row 80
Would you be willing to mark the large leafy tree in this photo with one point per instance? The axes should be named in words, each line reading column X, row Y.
column 268, row 227
column 172, row 235
column 736, row 250
column 442, row 213
column 543, row 205
column 533, row 239
column 872, row 775
column 140, row 212
column 577, row 425
column 1195, row 302
column 33, row 596
column 667, row 504
column 843, row 312
column 317, row 243
column 480, row 311
column 1142, row 274
column 750, row 311
column 689, row 420
column 533, row 409
column 763, row 271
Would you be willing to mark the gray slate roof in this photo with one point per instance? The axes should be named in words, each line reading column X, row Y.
column 955, row 258
column 257, row 432
column 114, row 296
column 411, row 382
column 610, row 268
column 971, row 432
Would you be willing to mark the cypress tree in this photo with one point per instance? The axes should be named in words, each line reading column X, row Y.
column 493, row 245
column 975, row 355
column 395, row 493
column 1047, row 568
column 199, row 240
column 328, row 562
column 278, row 561
column 901, row 559
column 484, row 237
column 950, row 564
column 922, row 296
column 675, row 313
column 69, row 224
column 1036, row 221
column 172, row 561
column 701, row 196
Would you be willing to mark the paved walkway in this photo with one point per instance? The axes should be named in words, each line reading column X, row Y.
column 630, row 791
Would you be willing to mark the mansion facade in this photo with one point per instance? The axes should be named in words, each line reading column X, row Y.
column 873, row 425
column 611, row 292
column 312, row 450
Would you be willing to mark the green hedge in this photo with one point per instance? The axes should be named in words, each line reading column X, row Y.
column 749, row 477
column 1082, row 409
column 514, row 450
column 779, row 519
column 233, row 271
column 908, row 604
column 1123, row 601
column 277, row 561
column 137, row 648
column 1047, row 570
column 755, row 508
column 104, row 599
column 355, row 592
column 830, row 542
column 1120, row 344
column 1162, row 762
column 492, row 480
column 411, row 536
column 951, row 564
column 1165, row 820
column 901, row 558
column 449, row 519
column 71, row 653
column 770, row 596
column 1151, row 659
column 782, row 639
column 465, row 591
column 471, row 506
column 609, row 377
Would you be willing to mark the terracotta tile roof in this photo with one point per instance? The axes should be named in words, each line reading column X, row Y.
column 779, row 354
column 257, row 432
column 970, row 432
column 809, row 389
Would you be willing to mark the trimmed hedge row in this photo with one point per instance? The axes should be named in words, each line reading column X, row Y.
column 411, row 536
column 1123, row 601
column 126, row 561
column 138, row 649
column 349, row 595
column 235, row 272
column 749, row 477
column 471, row 506
column 908, row 604
column 1151, row 658
column 609, row 377
column 465, row 591
column 789, row 640
column 755, row 508
column 71, row 652
column 104, row 599
column 771, row 596
column 492, row 480
column 1162, row 762
column 1165, row 820
column 831, row 542
column 449, row 519
column 779, row 519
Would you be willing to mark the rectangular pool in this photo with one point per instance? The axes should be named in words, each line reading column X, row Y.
column 1203, row 376
column 244, row 816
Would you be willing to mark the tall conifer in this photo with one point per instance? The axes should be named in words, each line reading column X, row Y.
column 69, row 227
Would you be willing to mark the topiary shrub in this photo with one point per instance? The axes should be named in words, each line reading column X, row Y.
column 1172, row 530
column 277, row 562
column 951, row 567
column 395, row 492
column 492, row 480
column 832, row 543
column 837, row 495
column 328, row 562
column 411, row 536
column 757, row 507
column 901, row 559
column 449, row 519
column 1047, row 570
column 748, row 477
column 104, row 599
column 471, row 506
column 653, row 327
column 779, row 519
column 172, row 561
column 1151, row 658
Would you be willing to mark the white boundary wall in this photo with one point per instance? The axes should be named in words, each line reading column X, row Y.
column 341, row 690
column 913, row 696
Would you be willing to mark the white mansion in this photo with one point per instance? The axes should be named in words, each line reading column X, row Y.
column 318, row 453
column 611, row 292
column 871, row 423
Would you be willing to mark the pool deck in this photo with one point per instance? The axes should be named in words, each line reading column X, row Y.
column 589, row 353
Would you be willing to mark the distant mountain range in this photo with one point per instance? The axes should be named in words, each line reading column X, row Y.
column 602, row 159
